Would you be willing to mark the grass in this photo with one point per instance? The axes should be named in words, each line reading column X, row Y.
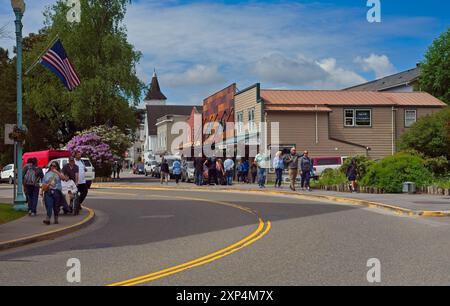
column 8, row 214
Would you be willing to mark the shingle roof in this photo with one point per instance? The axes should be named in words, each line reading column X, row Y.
column 392, row 81
column 155, row 91
column 304, row 98
column 154, row 112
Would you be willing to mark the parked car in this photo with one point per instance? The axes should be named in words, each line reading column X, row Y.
column 324, row 163
column 188, row 172
column 157, row 171
column 150, row 167
column 90, row 174
column 7, row 174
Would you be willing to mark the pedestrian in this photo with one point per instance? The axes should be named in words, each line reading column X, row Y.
column 52, row 192
column 278, row 165
column 165, row 172
column 260, row 161
column 199, row 165
column 229, row 171
column 32, row 176
column 306, row 167
column 81, row 183
column 292, row 161
column 254, row 172
column 245, row 170
column 119, row 169
column 114, row 169
column 352, row 175
column 239, row 171
column 176, row 170
column 71, row 170
column 220, row 172
column 212, row 171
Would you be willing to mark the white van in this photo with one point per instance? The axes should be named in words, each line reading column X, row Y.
column 7, row 174
column 90, row 174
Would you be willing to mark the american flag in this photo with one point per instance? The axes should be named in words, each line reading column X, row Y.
column 56, row 60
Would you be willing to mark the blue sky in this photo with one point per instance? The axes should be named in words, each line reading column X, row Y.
column 199, row 47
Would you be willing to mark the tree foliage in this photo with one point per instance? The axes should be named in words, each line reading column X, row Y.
column 435, row 70
column 430, row 135
column 390, row 173
column 105, row 62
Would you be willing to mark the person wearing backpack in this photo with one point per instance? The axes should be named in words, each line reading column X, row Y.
column 32, row 176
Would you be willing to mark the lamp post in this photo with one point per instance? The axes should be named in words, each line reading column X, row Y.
column 19, row 9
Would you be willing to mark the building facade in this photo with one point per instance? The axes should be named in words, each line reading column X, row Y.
column 333, row 123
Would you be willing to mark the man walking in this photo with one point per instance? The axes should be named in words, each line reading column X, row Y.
column 71, row 170
column 81, row 183
column 229, row 171
column 260, row 160
column 292, row 162
column 306, row 167
column 198, row 165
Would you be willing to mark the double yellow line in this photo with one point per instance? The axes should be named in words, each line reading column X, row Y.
column 261, row 231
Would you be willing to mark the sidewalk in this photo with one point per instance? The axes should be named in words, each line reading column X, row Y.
column 31, row 229
column 422, row 205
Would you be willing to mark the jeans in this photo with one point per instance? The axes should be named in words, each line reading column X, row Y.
column 32, row 197
column 306, row 178
column 279, row 179
column 198, row 178
column 52, row 200
column 230, row 175
column 261, row 177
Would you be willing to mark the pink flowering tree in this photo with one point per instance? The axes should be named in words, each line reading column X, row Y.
column 91, row 145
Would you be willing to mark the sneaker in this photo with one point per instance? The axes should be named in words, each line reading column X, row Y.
column 46, row 222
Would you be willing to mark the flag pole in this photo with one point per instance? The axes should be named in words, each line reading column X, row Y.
column 36, row 62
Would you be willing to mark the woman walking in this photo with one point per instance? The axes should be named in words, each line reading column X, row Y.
column 278, row 165
column 52, row 192
column 352, row 174
column 176, row 170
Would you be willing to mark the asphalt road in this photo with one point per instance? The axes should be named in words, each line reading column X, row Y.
column 308, row 243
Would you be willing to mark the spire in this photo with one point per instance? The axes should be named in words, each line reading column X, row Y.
column 155, row 91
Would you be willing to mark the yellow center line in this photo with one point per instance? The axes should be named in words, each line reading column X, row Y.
column 261, row 231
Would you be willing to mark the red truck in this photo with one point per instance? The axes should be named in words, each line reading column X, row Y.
column 44, row 157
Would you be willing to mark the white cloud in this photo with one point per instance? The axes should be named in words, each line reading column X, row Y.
column 305, row 72
column 196, row 75
column 379, row 64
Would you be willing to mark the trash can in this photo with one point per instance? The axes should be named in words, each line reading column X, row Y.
column 409, row 187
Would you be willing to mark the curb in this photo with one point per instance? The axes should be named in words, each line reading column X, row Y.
column 358, row 202
column 49, row 235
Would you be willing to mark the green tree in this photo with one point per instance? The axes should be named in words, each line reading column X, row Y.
column 430, row 136
column 435, row 70
column 105, row 62
column 7, row 102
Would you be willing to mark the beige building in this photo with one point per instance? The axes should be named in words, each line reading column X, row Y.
column 333, row 123
column 165, row 137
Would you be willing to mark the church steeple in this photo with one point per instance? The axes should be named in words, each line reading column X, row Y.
column 155, row 94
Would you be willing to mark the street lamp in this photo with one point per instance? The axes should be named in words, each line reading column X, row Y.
column 19, row 9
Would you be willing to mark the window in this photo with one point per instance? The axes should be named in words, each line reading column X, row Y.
column 251, row 120
column 240, row 122
column 357, row 118
column 410, row 117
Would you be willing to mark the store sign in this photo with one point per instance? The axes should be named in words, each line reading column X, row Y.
column 364, row 117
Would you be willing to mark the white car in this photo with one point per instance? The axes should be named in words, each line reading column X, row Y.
column 90, row 174
column 7, row 174
column 327, row 163
column 150, row 167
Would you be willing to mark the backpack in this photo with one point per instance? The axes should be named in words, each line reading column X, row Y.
column 31, row 176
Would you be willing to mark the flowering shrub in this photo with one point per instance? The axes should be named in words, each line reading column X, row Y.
column 91, row 145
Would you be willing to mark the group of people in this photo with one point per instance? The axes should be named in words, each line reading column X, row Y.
column 58, row 187
column 215, row 171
